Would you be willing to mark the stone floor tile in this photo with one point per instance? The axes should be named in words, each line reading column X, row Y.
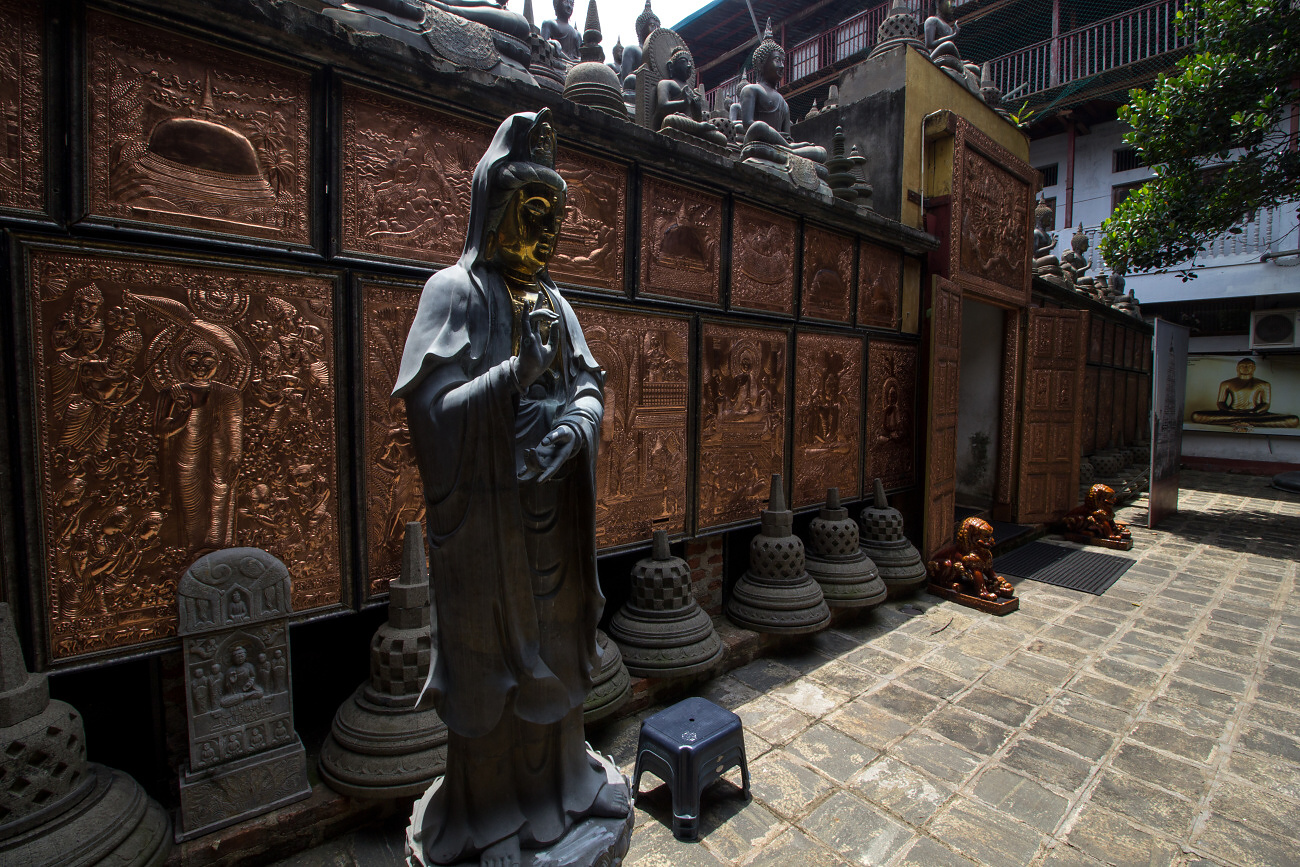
column 1282, row 777
column 1265, row 809
column 1073, row 637
column 1184, row 744
column 844, row 677
column 832, row 752
column 906, row 704
column 1125, row 673
column 954, row 661
column 1017, row 684
column 1282, row 676
column 1106, row 692
column 1049, row 671
column 985, row 834
column 1091, row 625
column 1160, row 626
column 1221, row 660
column 1089, row 712
column 727, row 692
column 925, row 852
column 1047, row 764
column 903, row 790
column 809, row 697
column 1215, row 641
column 1021, row 798
column 1269, row 744
column 1148, row 805
column 793, row 847
column 874, row 660
column 1278, row 719
column 1243, row 844
column 868, row 724
column 653, row 845
column 936, row 758
column 1062, row 855
column 974, row 733
column 902, row 645
column 1201, row 696
column 618, row 739
column 1006, row 710
column 731, row 828
column 931, row 682
column 772, row 720
column 1196, row 720
column 765, row 674
column 1114, row 840
column 1159, row 769
column 857, row 830
column 1077, row 737
column 1235, row 618
column 1276, row 694
column 833, row 642
column 1157, row 644
column 784, row 785
column 1066, row 653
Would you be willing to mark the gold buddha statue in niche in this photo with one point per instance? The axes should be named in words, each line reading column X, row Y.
column 1244, row 401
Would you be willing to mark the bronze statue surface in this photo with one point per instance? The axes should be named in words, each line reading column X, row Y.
column 1094, row 522
column 504, row 401
column 968, row 574
column 1244, row 401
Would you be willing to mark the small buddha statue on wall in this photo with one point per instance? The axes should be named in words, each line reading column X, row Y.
column 1244, row 402
column 561, row 32
column 764, row 111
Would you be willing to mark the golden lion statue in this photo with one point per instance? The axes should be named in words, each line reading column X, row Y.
column 972, row 571
column 1096, row 517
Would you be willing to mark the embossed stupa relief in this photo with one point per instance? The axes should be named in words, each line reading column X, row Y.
column 642, row 459
column 880, row 280
column 776, row 594
column 22, row 105
column 681, row 233
column 742, row 420
column 406, row 178
column 891, row 412
column 762, row 260
column 387, row 740
column 181, row 408
column 827, row 275
column 245, row 757
column 393, row 493
column 57, row 809
column 827, row 400
column 592, row 245
column 189, row 135
column 834, row 559
column 661, row 630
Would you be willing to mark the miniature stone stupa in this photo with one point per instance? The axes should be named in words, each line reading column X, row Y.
column 662, row 631
column 382, row 743
column 613, row 685
column 591, row 82
column 846, row 574
column 899, row 562
column 776, row 594
column 57, row 809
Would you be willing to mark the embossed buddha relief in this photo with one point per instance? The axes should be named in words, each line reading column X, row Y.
column 641, row 476
column 828, row 380
column 189, row 135
column 181, row 409
column 592, row 245
column 406, row 177
column 681, row 232
column 995, row 226
column 22, row 105
column 762, row 260
column 880, row 276
column 827, row 275
column 891, row 411
column 742, row 420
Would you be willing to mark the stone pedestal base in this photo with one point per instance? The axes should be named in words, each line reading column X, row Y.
column 234, row 791
column 1002, row 606
column 590, row 843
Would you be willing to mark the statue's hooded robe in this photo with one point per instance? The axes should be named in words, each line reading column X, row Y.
column 513, row 563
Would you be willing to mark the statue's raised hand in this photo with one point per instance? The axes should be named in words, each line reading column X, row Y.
column 535, row 355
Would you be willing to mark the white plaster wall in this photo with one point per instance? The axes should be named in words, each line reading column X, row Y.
column 978, row 408
column 1242, row 446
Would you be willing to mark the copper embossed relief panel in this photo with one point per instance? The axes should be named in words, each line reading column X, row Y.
column 880, row 284
column 641, row 479
column 407, row 172
column 22, row 105
column 762, row 260
column 1096, row 332
column 994, row 217
column 1088, row 445
column 591, row 246
column 827, row 389
column 681, row 233
column 827, row 275
column 891, row 412
column 1106, row 399
column 393, row 492
column 742, row 421
column 181, row 408
column 189, row 135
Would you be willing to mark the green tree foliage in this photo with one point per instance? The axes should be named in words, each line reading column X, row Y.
column 1217, row 133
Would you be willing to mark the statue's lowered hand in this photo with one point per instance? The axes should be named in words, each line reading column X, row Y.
column 551, row 453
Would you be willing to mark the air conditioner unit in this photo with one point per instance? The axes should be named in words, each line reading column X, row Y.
column 1274, row 329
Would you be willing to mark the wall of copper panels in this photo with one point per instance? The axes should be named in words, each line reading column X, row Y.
column 226, row 381
column 1117, row 385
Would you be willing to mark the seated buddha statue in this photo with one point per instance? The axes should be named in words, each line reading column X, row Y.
column 646, row 23
column 681, row 107
column 561, row 32
column 1244, row 400
column 940, row 41
column 1046, row 265
column 764, row 111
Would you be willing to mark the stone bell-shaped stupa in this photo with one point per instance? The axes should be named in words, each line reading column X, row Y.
column 57, row 809
column 776, row 594
column 846, row 574
column 881, row 530
column 382, row 744
column 662, row 630
column 612, row 685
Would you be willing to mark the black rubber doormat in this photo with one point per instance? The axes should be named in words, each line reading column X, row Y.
column 1004, row 532
column 1088, row 571
column 961, row 513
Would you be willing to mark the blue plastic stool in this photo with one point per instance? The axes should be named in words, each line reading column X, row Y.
column 688, row 746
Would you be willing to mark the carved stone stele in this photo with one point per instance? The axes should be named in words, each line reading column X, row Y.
column 662, row 630
column 775, row 594
column 387, row 740
column 846, row 574
column 881, row 531
column 57, row 809
column 245, row 757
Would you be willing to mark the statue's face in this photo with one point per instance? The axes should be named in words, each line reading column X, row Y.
column 239, row 656
column 120, row 357
column 86, row 308
column 563, row 8
column 681, row 68
column 200, row 364
column 774, row 69
column 1246, row 368
column 530, row 229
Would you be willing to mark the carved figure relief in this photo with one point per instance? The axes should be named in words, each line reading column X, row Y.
column 394, row 494
column 827, row 388
column 189, row 135
column 681, row 232
column 880, row 283
column 1096, row 328
column 891, row 411
column 762, row 260
column 181, row 409
column 742, row 420
column 591, row 246
column 641, row 477
column 1089, row 439
column 995, row 222
column 406, row 177
column 22, row 105
column 827, row 275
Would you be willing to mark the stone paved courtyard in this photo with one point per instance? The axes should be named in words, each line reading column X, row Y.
column 1157, row 724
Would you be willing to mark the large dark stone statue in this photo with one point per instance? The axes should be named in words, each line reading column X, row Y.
column 646, row 23
column 504, row 402
column 667, row 100
column 940, row 41
column 561, row 32
column 57, row 809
